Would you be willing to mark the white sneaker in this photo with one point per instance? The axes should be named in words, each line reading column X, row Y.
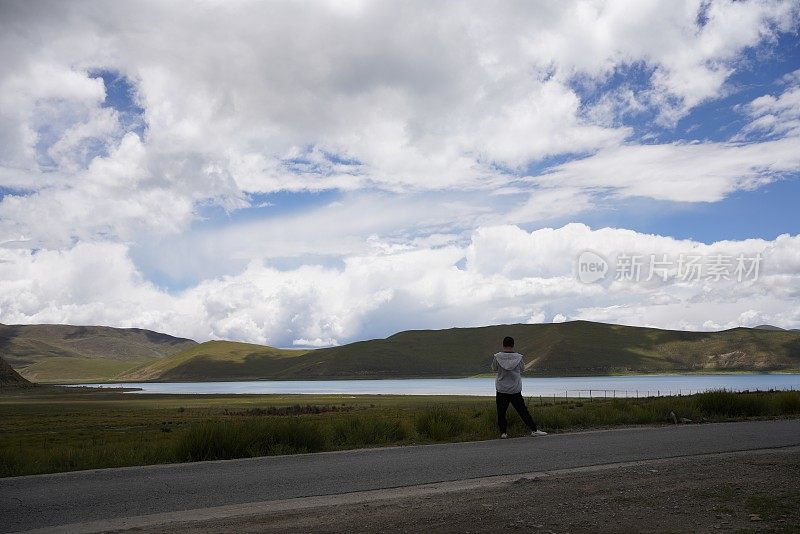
column 503, row 436
column 538, row 433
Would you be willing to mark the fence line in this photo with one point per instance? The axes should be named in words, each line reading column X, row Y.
column 596, row 394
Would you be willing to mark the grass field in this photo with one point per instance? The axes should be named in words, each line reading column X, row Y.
column 65, row 369
column 49, row 429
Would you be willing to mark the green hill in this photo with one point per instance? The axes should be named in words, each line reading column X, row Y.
column 216, row 360
column 8, row 376
column 50, row 353
column 571, row 348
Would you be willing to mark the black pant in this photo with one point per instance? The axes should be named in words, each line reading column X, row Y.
column 518, row 402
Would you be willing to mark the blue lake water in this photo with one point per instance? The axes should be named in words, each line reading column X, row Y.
column 595, row 386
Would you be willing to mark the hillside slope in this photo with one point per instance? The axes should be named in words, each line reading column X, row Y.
column 48, row 352
column 216, row 360
column 577, row 347
column 571, row 348
column 8, row 376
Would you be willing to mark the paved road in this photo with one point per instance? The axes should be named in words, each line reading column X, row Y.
column 48, row 500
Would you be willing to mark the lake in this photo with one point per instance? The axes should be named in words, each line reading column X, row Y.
column 595, row 386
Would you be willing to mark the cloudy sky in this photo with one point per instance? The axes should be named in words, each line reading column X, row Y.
column 313, row 173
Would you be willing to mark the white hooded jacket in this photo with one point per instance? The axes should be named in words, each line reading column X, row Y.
column 509, row 372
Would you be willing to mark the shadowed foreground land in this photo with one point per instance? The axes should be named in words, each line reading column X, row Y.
column 8, row 376
column 108, row 499
column 746, row 492
column 49, row 429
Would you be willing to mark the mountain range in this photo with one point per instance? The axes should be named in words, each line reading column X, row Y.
column 63, row 353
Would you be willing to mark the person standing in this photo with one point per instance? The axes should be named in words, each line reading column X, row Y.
column 508, row 365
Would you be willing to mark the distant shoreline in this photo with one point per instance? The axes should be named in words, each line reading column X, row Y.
column 413, row 377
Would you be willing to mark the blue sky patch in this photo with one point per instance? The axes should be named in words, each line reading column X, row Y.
column 121, row 96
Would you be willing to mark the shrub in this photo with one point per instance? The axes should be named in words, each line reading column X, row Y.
column 728, row 404
column 220, row 440
column 366, row 430
column 785, row 402
column 439, row 423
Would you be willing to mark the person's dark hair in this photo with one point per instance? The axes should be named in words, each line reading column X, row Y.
column 508, row 342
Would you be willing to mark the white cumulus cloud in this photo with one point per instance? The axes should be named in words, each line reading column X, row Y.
column 443, row 133
column 510, row 275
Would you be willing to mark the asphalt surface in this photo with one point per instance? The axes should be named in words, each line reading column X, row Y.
column 48, row 500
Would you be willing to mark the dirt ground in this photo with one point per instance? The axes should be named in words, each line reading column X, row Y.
column 750, row 492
